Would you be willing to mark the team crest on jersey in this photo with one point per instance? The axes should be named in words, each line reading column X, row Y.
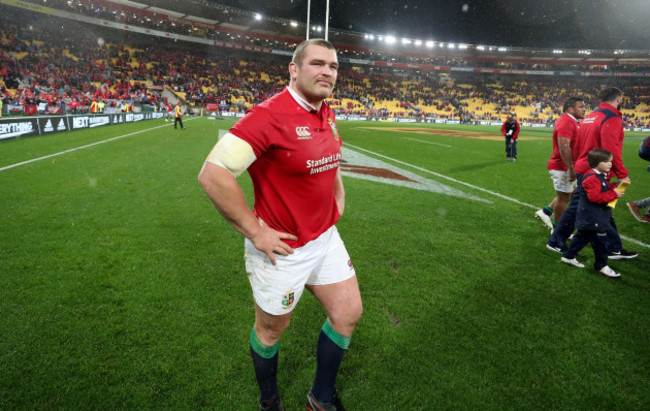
column 334, row 130
column 287, row 299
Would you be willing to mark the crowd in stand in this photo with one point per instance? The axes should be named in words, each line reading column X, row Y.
column 169, row 24
column 69, row 74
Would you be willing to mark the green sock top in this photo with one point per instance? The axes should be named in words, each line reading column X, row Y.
column 262, row 350
column 338, row 339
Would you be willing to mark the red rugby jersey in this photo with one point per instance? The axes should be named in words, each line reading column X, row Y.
column 565, row 126
column 298, row 153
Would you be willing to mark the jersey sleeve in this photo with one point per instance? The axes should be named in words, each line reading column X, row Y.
column 516, row 133
column 255, row 129
column 565, row 129
column 592, row 185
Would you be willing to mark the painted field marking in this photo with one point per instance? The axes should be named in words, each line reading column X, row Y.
column 33, row 160
column 427, row 142
column 361, row 166
column 632, row 240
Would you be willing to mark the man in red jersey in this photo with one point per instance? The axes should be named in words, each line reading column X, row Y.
column 292, row 150
column 560, row 165
column 603, row 128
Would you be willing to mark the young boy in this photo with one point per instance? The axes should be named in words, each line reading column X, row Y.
column 594, row 215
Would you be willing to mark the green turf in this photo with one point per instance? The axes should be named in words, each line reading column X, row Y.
column 122, row 288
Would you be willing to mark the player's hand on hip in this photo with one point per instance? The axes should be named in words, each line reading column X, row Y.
column 270, row 241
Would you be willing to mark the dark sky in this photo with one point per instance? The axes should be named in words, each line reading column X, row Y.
column 607, row 24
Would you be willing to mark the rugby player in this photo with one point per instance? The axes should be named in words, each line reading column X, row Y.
column 561, row 164
column 291, row 148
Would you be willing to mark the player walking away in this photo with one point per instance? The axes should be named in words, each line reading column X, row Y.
column 603, row 128
column 170, row 112
column 560, row 165
column 291, row 148
column 178, row 116
column 510, row 130
column 636, row 206
column 594, row 214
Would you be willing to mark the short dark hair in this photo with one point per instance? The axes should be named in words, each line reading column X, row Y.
column 598, row 155
column 571, row 102
column 299, row 52
column 609, row 94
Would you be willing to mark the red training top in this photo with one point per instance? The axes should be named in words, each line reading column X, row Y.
column 603, row 128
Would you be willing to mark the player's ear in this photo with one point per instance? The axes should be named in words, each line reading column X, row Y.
column 293, row 68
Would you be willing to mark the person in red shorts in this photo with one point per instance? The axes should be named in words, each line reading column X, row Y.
column 291, row 148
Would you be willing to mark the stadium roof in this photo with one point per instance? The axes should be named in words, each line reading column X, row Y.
column 578, row 24
column 537, row 31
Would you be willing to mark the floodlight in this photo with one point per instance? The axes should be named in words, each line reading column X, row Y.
column 294, row 24
column 451, row 46
column 430, row 43
column 371, row 36
column 258, row 16
column 390, row 39
column 502, row 49
column 462, row 46
column 418, row 42
column 482, row 48
column 406, row 41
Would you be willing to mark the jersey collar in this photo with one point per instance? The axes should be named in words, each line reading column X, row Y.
column 575, row 119
column 301, row 101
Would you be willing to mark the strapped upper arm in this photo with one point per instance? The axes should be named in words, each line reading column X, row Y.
column 233, row 154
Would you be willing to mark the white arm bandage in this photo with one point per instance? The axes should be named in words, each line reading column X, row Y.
column 233, row 154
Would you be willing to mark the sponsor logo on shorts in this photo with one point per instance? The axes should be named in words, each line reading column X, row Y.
column 350, row 264
column 287, row 299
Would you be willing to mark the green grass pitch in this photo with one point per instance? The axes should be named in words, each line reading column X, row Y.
column 122, row 288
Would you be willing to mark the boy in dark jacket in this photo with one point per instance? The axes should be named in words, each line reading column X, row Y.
column 593, row 214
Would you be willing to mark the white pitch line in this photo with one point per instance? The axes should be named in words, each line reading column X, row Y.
column 426, row 142
column 632, row 240
column 33, row 160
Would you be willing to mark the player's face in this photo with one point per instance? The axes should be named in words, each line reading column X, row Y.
column 315, row 77
column 578, row 110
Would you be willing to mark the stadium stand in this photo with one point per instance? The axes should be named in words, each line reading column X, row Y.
column 66, row 63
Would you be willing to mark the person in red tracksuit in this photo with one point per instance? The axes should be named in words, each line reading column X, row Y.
column 594, row 214
column 510, row 130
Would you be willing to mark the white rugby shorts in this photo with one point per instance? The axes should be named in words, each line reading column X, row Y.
column 277, row 288
column 561, row 181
